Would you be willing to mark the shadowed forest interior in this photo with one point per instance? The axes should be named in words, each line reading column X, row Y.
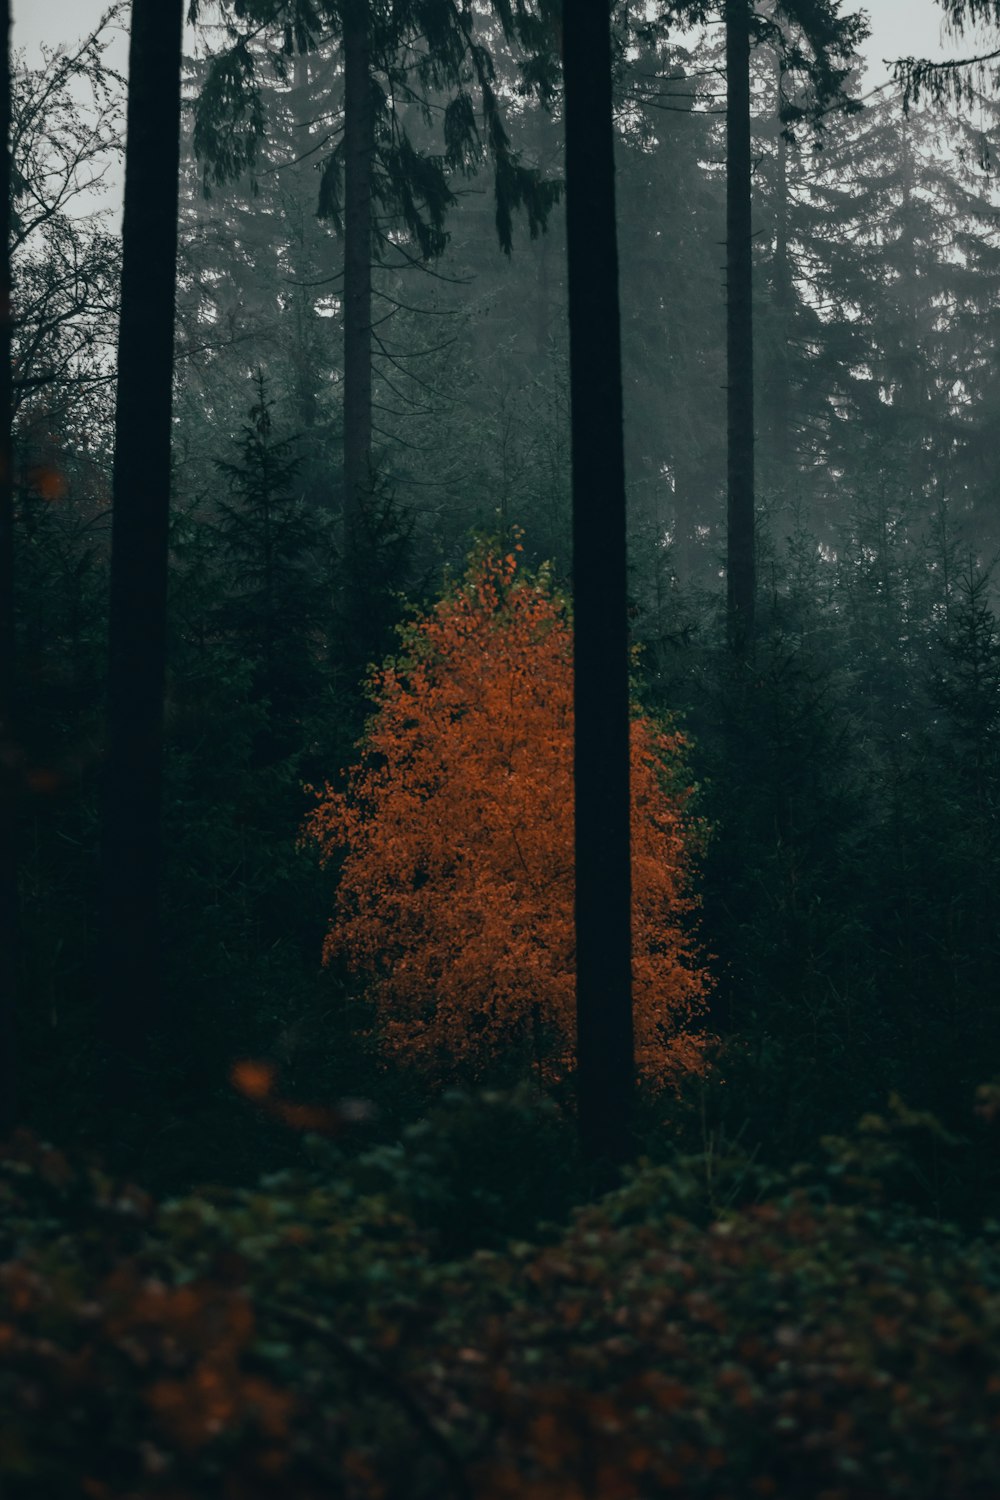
column 499, row 941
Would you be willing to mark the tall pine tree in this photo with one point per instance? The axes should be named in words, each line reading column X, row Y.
column 813, row 39
column 388, row 198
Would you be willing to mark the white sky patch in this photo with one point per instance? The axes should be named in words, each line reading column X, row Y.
column 911, row 28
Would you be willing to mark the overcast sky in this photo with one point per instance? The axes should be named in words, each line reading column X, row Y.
column 898, row 27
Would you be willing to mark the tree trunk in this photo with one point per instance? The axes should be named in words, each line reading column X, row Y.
column 783, row 295
column 740, row 561
column 131, row 835
column 304, row 271
column 8, row 743
column 910, row 397
column 359, row 154
column 307, row 357
column 605, row 1059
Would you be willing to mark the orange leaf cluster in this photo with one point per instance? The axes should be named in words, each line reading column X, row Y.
column 456, row 889
column 257, row 1081
column 253, row 1079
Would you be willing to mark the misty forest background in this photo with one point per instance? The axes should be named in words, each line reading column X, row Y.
column 849, row 884
column 843, row 746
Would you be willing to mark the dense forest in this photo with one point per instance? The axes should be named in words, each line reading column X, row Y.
column 500, row 755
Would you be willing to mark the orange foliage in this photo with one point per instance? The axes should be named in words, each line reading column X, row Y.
column 254, row 1079
column 257, row 1081
column 456, row 890
column 49, row 483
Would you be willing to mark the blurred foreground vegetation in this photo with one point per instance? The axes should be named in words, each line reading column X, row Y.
column 431, row 1319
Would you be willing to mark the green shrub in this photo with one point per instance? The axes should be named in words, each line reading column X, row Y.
column 816, row 1338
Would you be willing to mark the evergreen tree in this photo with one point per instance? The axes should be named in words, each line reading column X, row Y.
column 893, row 241
column 256, row 291
column 673, row 318
column 375, row 182
column 816, row 42
column 276, row 602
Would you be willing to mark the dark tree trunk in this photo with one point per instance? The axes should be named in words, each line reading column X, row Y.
column 601, row 691
column 8, row 743
column 131, row 834
column 911, row 397
column 740, row 561
column 307, row 354
column 783, row 293
column 305, row 374
column 359, row 155
column 543, row 300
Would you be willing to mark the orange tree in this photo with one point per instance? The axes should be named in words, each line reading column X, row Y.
column 455, row 832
